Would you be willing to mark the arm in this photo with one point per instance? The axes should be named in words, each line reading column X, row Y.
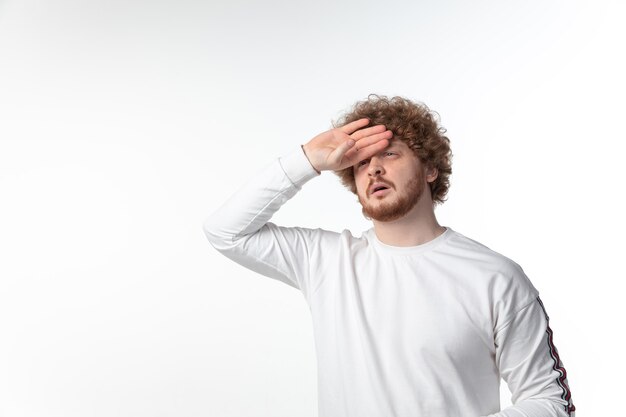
column 240, row 228
column 530, row 364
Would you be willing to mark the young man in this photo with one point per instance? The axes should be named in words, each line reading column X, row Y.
column 410, row 319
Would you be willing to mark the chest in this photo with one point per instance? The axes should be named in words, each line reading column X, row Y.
column 415, row 307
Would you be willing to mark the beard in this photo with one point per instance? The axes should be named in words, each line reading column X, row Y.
column 395, row 204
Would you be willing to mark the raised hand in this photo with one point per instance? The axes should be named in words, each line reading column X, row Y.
column 345, row 146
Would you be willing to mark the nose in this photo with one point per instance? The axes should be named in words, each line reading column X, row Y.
column 375, row 167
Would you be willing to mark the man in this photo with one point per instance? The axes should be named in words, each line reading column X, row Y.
column 412, row 318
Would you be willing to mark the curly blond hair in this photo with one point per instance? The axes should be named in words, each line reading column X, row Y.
column 413, row 123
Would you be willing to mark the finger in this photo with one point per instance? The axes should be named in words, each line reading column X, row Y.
column 369, row 140
column 367, row 152
column 354, row 126
column 361, row 133
column 366, row 148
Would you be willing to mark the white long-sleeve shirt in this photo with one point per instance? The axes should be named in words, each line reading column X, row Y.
column 420, row 331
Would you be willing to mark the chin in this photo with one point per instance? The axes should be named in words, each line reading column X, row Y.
column 393, row 205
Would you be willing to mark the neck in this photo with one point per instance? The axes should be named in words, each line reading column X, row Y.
column 415, row 228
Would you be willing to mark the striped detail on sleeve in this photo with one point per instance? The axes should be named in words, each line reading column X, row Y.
column 558, row 366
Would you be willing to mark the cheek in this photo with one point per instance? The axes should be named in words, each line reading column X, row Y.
column 359, row 188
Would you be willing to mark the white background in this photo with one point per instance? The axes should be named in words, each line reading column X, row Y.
column 124, row 124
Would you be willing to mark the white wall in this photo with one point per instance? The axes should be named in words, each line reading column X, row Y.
column 123, row 124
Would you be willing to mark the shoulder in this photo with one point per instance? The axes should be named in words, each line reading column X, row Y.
column 339, row 245
column 504, row 274
column 461, row 246
column 507, row 286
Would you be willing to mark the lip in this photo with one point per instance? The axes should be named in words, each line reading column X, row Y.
column 376, row 185
column 380, row 193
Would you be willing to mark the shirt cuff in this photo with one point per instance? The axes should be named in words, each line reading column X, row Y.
column 297, row 167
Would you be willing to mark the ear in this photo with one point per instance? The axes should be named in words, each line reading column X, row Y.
column 431, row 174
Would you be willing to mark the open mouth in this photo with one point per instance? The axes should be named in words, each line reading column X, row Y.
column 380, row 190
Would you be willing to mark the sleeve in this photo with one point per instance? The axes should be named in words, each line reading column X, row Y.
column 530, row 364
column 240, row 228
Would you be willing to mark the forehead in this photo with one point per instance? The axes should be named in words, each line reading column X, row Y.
column 397, row 143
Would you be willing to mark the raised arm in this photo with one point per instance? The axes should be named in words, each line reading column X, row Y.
column 240, row 229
